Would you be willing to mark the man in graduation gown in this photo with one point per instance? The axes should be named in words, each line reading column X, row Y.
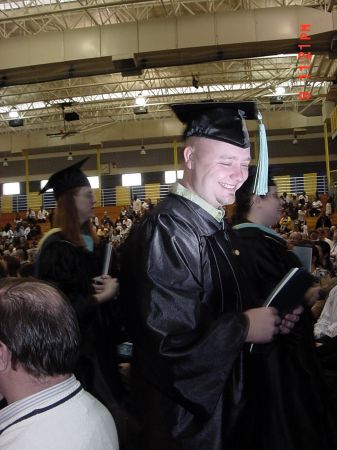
column 181, row 291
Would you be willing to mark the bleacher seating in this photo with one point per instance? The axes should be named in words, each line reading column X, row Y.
column 113, row 212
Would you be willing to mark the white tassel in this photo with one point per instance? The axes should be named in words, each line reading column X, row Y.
column 261, row 177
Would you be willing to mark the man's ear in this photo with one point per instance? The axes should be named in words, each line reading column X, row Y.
column 188, row 156
column 5, row 357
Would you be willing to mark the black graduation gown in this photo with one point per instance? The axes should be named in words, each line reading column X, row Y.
column 289, row 406
column 183, row 306
column 71, row 268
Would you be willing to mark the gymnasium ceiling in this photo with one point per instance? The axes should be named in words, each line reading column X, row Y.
column 102, row 90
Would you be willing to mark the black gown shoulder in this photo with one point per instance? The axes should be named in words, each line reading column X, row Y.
column 265, row 259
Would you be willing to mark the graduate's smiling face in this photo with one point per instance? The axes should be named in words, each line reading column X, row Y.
column 215, row 170
column 85, row 202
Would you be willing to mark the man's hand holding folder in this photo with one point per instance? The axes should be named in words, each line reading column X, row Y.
column 287, row 301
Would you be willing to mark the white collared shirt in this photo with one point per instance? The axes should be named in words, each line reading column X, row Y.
column 326, row 325
column 62, row 417
column 217, row 213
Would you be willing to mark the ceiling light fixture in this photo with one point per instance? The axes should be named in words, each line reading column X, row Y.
column 5, row 162
column 142, row 150
column 140, row 100
column 70, row 156
column 13, row 113
column 295, row 141
column 280, row 90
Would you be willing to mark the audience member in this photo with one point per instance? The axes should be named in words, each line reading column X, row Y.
column 106, row 219
column 316, row 206
column 324, row 235
column 328, row 206
column 294, row 238
column 303, row 199
column 313, row 236
column 12, row 265
column 102, row 231
column 284, row 199
column 324, row 256
column 136, row 205
column 26, row 270
column 301, row 215
column 31, row 216
column 17, row 219
column 285, row 222
column 123, row 213
column 95, row 222
column 42, row 215
column 333, row 252
column 323, row 221
column 22, row 255
column 326, row 325
column 47, row 406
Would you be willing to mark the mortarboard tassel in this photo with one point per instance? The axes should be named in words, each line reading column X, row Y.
column 261, row 177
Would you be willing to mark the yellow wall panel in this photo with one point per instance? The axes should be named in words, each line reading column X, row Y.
column 34, row 201
column 97, row 194
column 310, row 183
column 152, row 191
column 283, row 184
column 122, row 195
column 7, row 203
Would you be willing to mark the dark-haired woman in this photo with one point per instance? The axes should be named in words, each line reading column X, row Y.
column 70, row 257
column 288, row 406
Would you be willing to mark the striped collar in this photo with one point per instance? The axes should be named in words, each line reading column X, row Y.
column 40, row 401
column 217, row 213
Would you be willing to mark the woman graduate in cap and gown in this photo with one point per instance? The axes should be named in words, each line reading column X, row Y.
column 70, row 257
column 289, row 406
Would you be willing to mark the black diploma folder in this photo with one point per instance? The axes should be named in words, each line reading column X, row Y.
column 286, row 296
column 289, row 292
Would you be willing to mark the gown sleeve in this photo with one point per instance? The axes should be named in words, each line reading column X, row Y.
column 185, row 349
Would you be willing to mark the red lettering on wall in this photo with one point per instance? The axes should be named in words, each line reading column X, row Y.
column 305, row 26
column 304, row 55
column 304, row 95
column 304, row 37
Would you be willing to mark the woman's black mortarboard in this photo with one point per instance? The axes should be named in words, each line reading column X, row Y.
column 225, row 121
column 68, row 178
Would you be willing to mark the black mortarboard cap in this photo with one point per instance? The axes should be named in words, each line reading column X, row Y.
column 68, row 178
column 222, row 121
column 225, row 121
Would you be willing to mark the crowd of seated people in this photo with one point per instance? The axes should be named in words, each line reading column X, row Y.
column 19, row 240
column 117, row 231
column 18, row 247
column 298, row 207
column 323, row 243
